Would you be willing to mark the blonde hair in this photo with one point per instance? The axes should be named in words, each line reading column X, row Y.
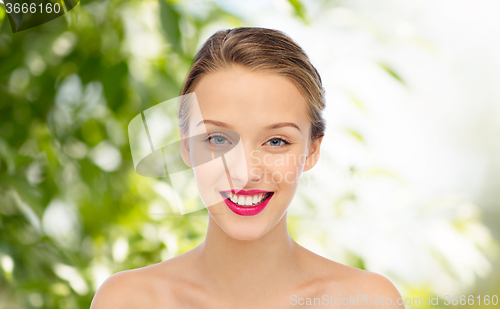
column 259, row 49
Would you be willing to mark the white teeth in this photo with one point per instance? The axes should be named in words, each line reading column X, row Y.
column 241, row 200
column 248, row 201
column 255, row 199
column 245, row 200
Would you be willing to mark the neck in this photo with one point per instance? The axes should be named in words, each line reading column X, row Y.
column 229, row 263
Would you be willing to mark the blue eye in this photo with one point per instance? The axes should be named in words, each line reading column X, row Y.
column 217, row 140
column 277, row 142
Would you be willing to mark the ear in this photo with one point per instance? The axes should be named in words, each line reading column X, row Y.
column 313, row 156
column 185, row 151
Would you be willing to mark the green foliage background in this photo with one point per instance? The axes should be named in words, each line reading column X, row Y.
column 45, row 150
column 69, row 88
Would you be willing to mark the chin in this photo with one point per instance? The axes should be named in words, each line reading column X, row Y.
column 245, row 232
column 242, row 228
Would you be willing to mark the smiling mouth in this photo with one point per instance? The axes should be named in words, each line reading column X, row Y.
column 247, row 200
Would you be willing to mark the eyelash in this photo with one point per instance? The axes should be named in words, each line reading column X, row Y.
column 209, row 138
column 286, row 141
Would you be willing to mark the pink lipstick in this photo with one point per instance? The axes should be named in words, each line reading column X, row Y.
column 240, row 201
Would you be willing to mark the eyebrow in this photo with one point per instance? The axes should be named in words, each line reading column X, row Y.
column 217, row 123
column 269, row 127
column 281, row 125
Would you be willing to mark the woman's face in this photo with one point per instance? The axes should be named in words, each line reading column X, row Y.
column 260, row 120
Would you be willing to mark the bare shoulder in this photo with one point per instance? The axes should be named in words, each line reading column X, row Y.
column 353, row 287
column 367, row 288
column 375, row 290
column 146, row 287
column 126, row 289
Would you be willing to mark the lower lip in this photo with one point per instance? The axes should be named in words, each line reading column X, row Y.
column 247, row 211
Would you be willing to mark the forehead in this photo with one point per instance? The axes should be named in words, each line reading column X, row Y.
column 240, row 96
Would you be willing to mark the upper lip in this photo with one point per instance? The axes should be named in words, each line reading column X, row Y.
column 246, row 192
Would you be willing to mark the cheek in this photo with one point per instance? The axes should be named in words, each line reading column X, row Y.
column 211, row 177
column 209, row 172
column 285, row 170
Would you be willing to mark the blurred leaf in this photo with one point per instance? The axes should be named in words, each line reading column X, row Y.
column 170, row 20
column 355, row 134
column 2, row 13
column 358, row 103
column 70, row 4
column 110, row 76
column 8, row 157
column 299, row 10
column 23, row 20
column 392, row 72
column 16, row 19
column 355, row 260
column 354, row 99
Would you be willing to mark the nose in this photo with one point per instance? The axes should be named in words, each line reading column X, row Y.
column 242, row 167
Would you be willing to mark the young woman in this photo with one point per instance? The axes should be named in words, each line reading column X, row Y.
column 261, row 85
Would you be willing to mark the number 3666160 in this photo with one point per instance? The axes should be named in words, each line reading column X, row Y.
column 32, row 8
